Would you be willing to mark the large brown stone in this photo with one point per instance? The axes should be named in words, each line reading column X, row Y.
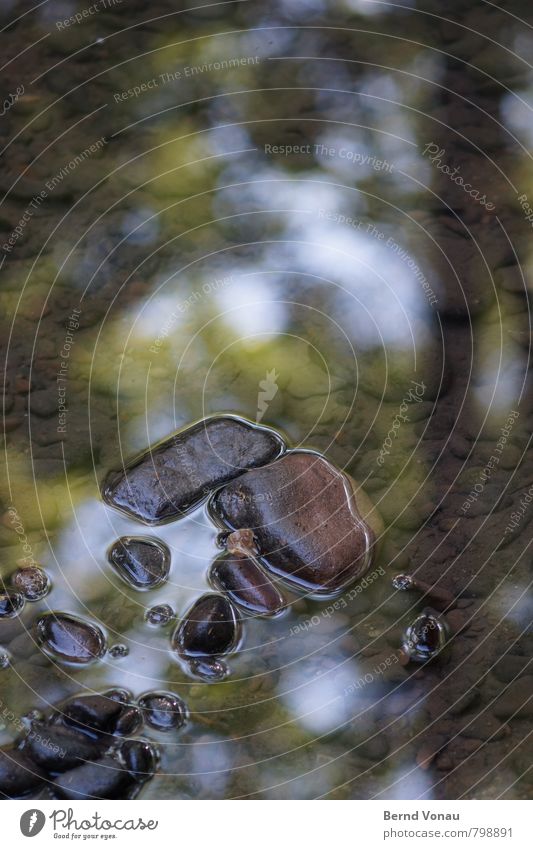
column 169, row 480
column 304, row 517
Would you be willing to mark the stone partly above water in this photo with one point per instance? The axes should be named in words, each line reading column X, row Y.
column 141, row 562
column 246, row 585
column 210, row 628
column 305, row 520
column 163, row 711
column 32, row 582
column 425, row 637
column 169, row 480
column 69, row 638
column 11, row 604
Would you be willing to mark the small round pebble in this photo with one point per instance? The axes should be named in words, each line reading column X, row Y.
column 119, row 650
column 32, row 582
column 10, row 604
column 5, row 660
column 160, row 614
column 163, row 711
column 402, row 582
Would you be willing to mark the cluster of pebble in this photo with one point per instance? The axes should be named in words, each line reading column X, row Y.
column 84, row 749
column 29, row 583
column 288, row 514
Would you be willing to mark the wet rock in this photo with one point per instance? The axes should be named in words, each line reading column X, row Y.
column 32, row 582
column 11, row 604
column 163, row 711
column 304, row 516
column 18, row 775
column 517, row 701
column 141, row 562
column 160, row 614
column 425, row 637
column 246, row 585
column 5, row 659
column 118, row 695
column 119, row 650
column 94, row 712
column 70, row 638
column 139, row 758
column 57, row 749
column 103, row 779
column 129, row 721
column 209, row 669
column 172, row 478
column 209, row 629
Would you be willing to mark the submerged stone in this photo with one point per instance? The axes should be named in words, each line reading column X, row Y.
column 32, row 582
column 141, row 562
column 56, row 748
column 11, row 604
column 18, row 774
column 304, row 518
column 169, row 480
column 102, row 779
column 70, row 638
column 209, row 629
column 163, row 711
column 246, row 585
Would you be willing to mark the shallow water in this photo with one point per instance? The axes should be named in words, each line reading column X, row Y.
column 348, row 292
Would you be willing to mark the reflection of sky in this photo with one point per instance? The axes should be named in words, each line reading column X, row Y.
column 407, row 783
column 498, row 384
column 82, row 546
column 250, row 306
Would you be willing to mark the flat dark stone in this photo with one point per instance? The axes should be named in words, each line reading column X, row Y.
column 103, row 779
column 70, row 638
column 303, row 514
column 141, row 562
column 57, row 749
column 163, row 711
column 18, row 774
column 169, row 480
column 246, row 584
column 93, row 712
column 209, row 629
